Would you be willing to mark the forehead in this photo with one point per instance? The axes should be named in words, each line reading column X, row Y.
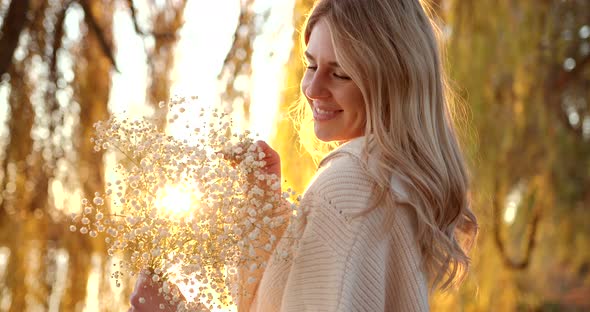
column 320, row 44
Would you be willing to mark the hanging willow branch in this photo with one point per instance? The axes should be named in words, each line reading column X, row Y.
column 171, row 35
column 58, row 38
column 238, row 60
column 532, row 232
column 93, row 25
column 167, row 22
column 14, row 22
column 53, row 109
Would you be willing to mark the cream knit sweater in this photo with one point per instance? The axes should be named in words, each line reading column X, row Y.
column 342, row 259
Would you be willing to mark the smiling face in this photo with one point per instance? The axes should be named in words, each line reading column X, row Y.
column 335, row 100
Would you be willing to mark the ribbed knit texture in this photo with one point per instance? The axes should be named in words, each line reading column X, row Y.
column 342, row 259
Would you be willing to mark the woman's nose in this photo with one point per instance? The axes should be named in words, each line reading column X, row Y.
column 317, row 87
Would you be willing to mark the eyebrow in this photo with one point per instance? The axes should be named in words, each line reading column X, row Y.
column 310, row 57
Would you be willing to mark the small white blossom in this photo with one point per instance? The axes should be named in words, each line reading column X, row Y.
column 98, row 201
column 155, row 277
column 253, row 235
column 252, row 212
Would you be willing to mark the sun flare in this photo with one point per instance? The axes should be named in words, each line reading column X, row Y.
column 176, row 199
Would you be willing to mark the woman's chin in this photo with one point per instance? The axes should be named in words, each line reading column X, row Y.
column 331, row 137
column 324, row 137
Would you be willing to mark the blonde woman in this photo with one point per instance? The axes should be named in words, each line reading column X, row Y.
column 382, row 215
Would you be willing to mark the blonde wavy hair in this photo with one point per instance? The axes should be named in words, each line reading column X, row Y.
column 390, row 49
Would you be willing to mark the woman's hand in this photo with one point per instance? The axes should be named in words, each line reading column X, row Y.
column 146, row 296
column 272, row 162
column 271, row 158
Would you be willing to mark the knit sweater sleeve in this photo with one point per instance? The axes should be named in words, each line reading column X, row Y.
column 247, row 288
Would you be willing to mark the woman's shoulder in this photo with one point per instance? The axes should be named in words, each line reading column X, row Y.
column 345, row 178
column 343, row 182
column 342, row 169
column 345, row 166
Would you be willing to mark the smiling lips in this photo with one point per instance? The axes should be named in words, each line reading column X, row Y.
column 324, row 115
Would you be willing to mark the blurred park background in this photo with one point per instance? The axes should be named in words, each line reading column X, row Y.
column 522, row 68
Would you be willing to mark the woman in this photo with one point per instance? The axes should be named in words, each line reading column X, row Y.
column 381, row 217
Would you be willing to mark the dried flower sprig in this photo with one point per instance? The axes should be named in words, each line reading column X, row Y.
column 234, row 207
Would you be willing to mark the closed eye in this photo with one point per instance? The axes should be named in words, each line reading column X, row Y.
column 341, row 76
column 334, row 74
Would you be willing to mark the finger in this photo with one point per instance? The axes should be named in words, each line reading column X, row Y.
column 269, row 152
column 264, row 147
column 135, row 303
column 176, row 289
column 138, row 298
column 235, row 155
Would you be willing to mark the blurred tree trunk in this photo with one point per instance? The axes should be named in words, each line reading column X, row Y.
column 14, row 22
column 238, row 61
column 23, row 173
column 92, row 95
column 17, row 192
column 167, row 22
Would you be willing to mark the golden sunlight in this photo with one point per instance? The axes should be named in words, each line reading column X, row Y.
column 176, row 199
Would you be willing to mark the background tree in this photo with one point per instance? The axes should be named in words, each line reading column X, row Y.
column 520, row 66
column 58, row 87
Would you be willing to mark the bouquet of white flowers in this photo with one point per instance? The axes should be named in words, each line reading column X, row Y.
column 235, row 206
